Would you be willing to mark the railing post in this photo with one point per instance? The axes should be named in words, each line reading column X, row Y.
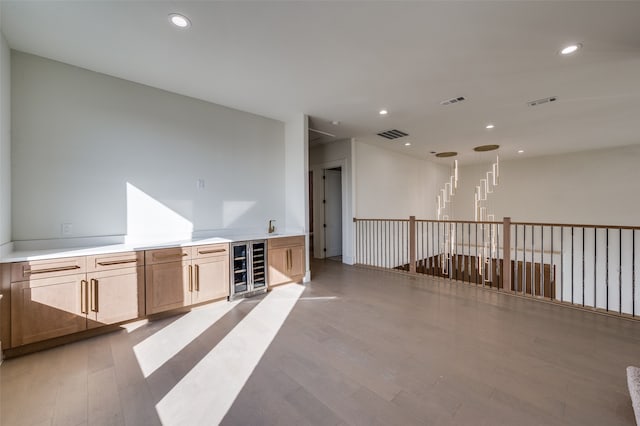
column 412, row 244
column 506, row 254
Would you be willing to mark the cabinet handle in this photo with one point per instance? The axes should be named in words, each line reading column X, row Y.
column 26, row 271
column 117, row 262
column 84, row 297
column 211, row 251
column 94, row 295
column 190, row 278
column 197, row 277
column 289, row 260
column 169, row 256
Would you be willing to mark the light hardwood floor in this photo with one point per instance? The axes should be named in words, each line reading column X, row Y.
column 359, row 347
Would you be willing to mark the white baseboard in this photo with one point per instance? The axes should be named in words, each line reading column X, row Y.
column 349, row 260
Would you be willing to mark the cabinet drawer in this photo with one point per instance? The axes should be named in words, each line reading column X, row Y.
column 37, row 269
column 167, row 255
column 285, row 242
column 211, row 250
column 107, row 262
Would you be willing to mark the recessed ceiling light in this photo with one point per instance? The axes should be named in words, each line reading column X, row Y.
column 407, row 144
column 520, row 151
column 179, row 20
column 572, row 48
column 489, row 126
column 383, row 112
column 335, row 122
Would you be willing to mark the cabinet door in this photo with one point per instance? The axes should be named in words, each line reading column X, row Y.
column 168, row 286
column 211, row 279
column 278, row 266
column 296, row 263
column 45, row 308
column 115, row 296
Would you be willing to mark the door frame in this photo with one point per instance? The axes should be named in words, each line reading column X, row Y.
column 318, row 214
column 325, row 171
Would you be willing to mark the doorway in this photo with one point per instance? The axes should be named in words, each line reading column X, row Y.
column 332, row 226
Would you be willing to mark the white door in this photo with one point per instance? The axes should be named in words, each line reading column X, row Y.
column 333, row 212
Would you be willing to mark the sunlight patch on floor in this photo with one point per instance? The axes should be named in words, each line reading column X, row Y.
column 206, row 393
column 163, row 345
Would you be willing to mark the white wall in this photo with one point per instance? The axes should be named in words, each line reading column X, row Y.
column 589, row 187
column 5, row 142
column 390, row 185
column 333, row 154
column 80, row 137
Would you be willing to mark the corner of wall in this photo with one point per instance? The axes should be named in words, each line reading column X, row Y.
column 297, row 177
column 5, row 141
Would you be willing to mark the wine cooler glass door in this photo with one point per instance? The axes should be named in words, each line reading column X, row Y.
column 240, row 268
column 258, row 263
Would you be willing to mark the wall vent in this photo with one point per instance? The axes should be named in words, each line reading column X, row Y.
column 393, row 134
column 453, row 100
column 542, row 101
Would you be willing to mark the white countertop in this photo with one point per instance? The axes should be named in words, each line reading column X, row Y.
column 23, row 255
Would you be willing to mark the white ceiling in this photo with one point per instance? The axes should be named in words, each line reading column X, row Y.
column 346, row 60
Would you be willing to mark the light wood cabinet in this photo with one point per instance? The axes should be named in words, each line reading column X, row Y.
column 202, row 275
column 115, row 295
column 116, row 288
column 48, row 307
column 167, row 286
column 53, row 298
column 286, row 260
column 211, row 279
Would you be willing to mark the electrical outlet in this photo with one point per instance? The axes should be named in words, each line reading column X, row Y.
column 200, row 184
column 67, row 228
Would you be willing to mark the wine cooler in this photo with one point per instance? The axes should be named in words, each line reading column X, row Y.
column 248, row 268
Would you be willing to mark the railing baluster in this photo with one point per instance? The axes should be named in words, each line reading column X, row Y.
column 562, row 263
column 422, row 245
column 449, row 249
column 583, row 266
column 542, row 274
column 464, row 265
column 389, row 242
column 620, row 272
column 533, row 261
column 607, row 278
column 516, row 270
column 380, row 244
column 572, row 262
column 469, row 250
column 595, row 268
column 524, row 260
column 493, row 269
column 476, row 259
column 552, row 271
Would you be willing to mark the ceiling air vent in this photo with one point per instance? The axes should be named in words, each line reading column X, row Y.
column 542, row 101
column 393, row 134
column 453, row 100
